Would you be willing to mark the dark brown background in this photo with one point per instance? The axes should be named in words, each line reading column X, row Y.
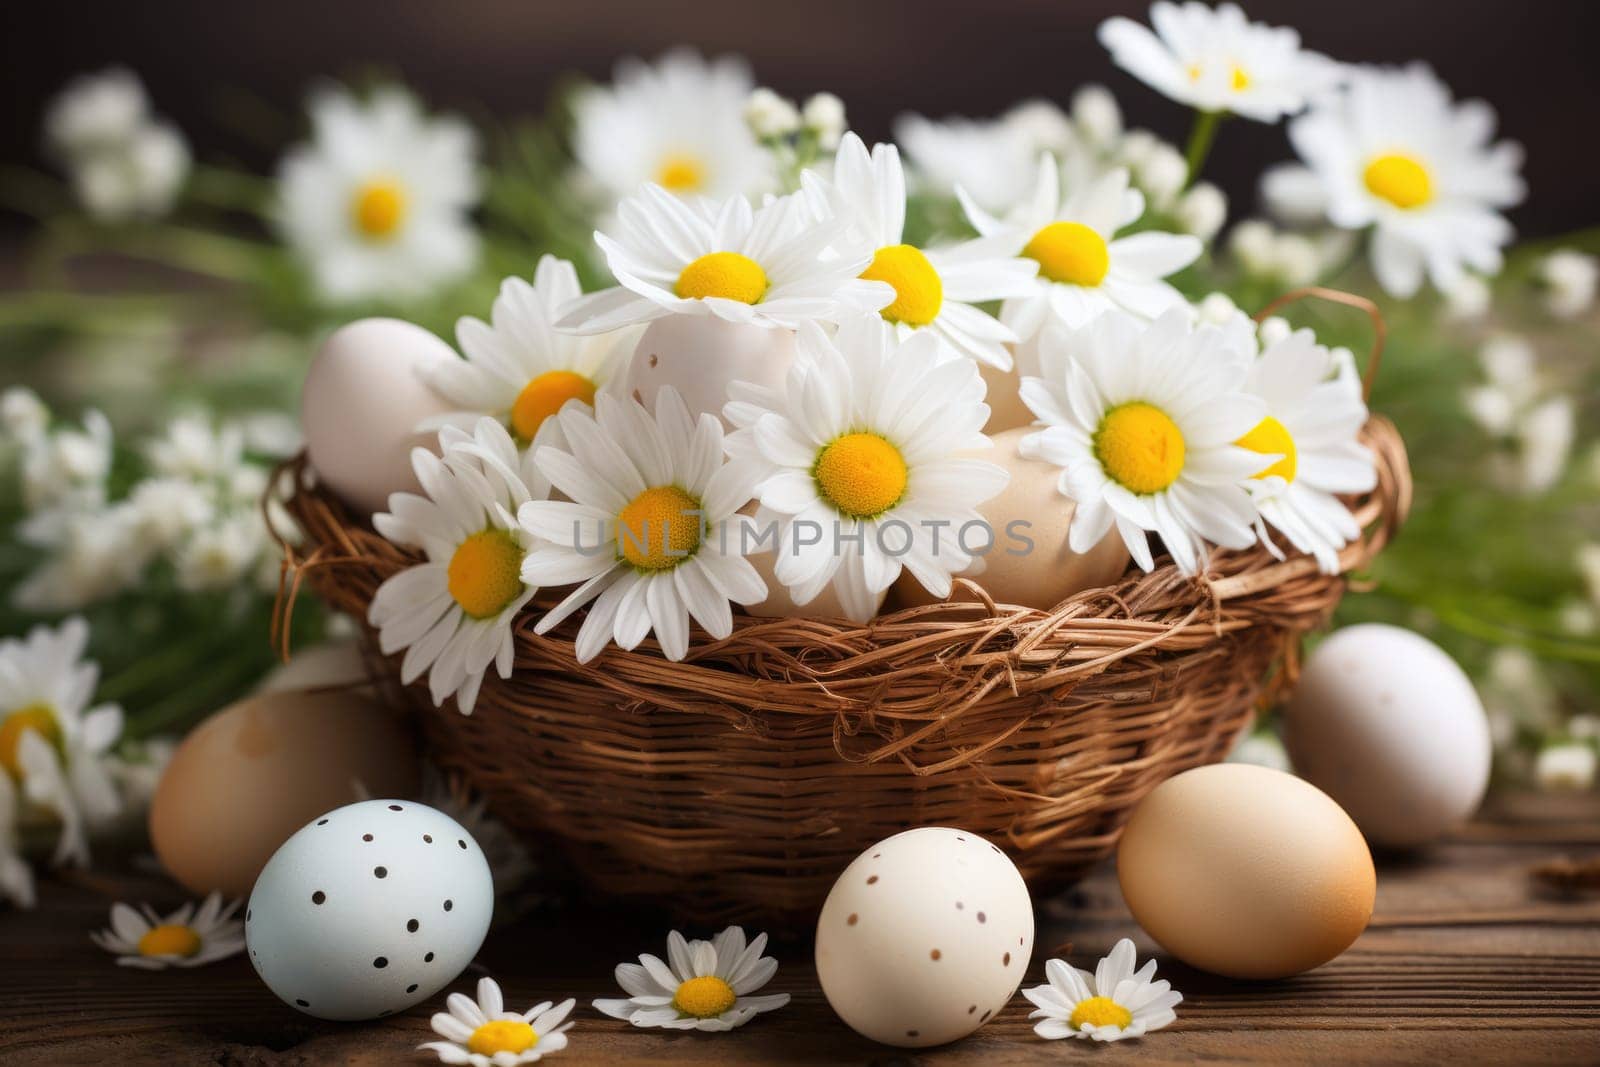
column 211, row 63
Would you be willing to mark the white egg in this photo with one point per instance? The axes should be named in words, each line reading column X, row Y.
column 369, row 909
column 924, row 937
column 331, row 664
column 361, row 404
column 700, row 355
column 1388, row 725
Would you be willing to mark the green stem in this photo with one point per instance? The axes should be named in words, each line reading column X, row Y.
column 1201, row 136
column 229, row 190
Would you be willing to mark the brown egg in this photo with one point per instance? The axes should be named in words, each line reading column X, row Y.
column 1006, row 409
column 1246, row 872
column 1032, row 564
column 251, row 775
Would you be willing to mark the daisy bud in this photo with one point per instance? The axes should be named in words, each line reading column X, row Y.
column 824, row 116
column 1202, row 211
column 1508, row 361
column 1468, row 300
column 1136, row 147
column 1545, row 436
column 1273, row 330
column 1163, row 173
column 1217, row 309
column 770, row 115
column 1098, row 118
column 1295, row 260
column 1588, row 559
column 1565, row 768
column 1252, row 242
column 1571, row 278
column 23, row 416
column 1584, row 727
column 95, row 111
column 1580, row 620
column 1041, row 124
column 1491, row 408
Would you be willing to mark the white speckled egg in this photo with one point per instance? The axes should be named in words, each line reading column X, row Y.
column 1387, row 724
column 924, row 937
column 700, row 355
column 369, row 909
column 361, row 403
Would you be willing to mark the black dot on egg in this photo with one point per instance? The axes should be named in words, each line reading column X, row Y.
column 248, row 915
column 394, row 807
column 322, row 822
column 449, row 904
column 380, row 872
column 366, row 837
column 318, row 897
column 427, row 839
column 412, row 925
column 985, row 1016
column 462, row 843
column 959, row 905
column 972, row 1010
column 412, row 988
column 428, row 958
column 982, row 917
column 381, row 962
column 302, row 1003
column 911, row 1033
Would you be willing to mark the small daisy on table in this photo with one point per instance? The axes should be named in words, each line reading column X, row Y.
column 935, row 289
column 519, row 368
column 483, row 1033
column 185, row 938
column 1113, row 1003
column 452, row 613
column 377, row 204
column 1395, row 153
column 702, row 985
column 1084, row 267
column 1144, row 420
column 1215, row 60
column 649, row 530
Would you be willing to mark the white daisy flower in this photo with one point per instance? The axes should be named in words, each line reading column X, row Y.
column 186, row 938
column 1394, row 152
column 377, row 204
column 1113, row 1003
column 1214, row 60
column 452, row 614
column 649, row 527
column 1568, row 767
column 1142, row 419
column 519, row 368
column 858, row 458
column 53, row 744
column 89, row 557
column 678, row 123
column 24, row 418
column 483, row 1033
column 16, row 877
column 990, row 159
column 937, row 289
column 67, row 468
column 1313, row 422
column 1570, row 278
column 773, row 266
column 1084, row 268
column 123, row 162
column 702, row 985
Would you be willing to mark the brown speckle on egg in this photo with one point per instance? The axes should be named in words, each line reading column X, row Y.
column 934, row 954
column 852, row 920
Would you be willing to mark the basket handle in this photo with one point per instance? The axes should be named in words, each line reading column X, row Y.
column 1380, row 332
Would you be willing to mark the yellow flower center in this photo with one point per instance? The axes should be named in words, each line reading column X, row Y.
column 1070, row 253
column 1140, row 447
column 1400, row 179
column 379, row 207
column 726, row 274
column 681, row 174
column 1100, row 1011
column 544, row 396
column 918, row 291
column 169, row 941
column 485, row 574
column 502, row 1035
column 660, row 528
column 1270, row 437
column 37, row 717
column 861, row 474
column 704, row 998
column 1239, row 79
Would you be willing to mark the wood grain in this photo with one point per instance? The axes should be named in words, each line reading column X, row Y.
column 1468, row 959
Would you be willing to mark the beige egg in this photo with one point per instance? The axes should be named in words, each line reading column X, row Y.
column 1388, row 724
column 1031, row 563
column 1006, row 409
column 361, row 404
column 1246, row 872
column 700, row 355
column 924, row 937
column 251, row 775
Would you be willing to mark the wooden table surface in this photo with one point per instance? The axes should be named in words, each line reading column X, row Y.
column 1468, row 959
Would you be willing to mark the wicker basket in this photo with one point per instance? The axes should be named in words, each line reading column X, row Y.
column 739, row 782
